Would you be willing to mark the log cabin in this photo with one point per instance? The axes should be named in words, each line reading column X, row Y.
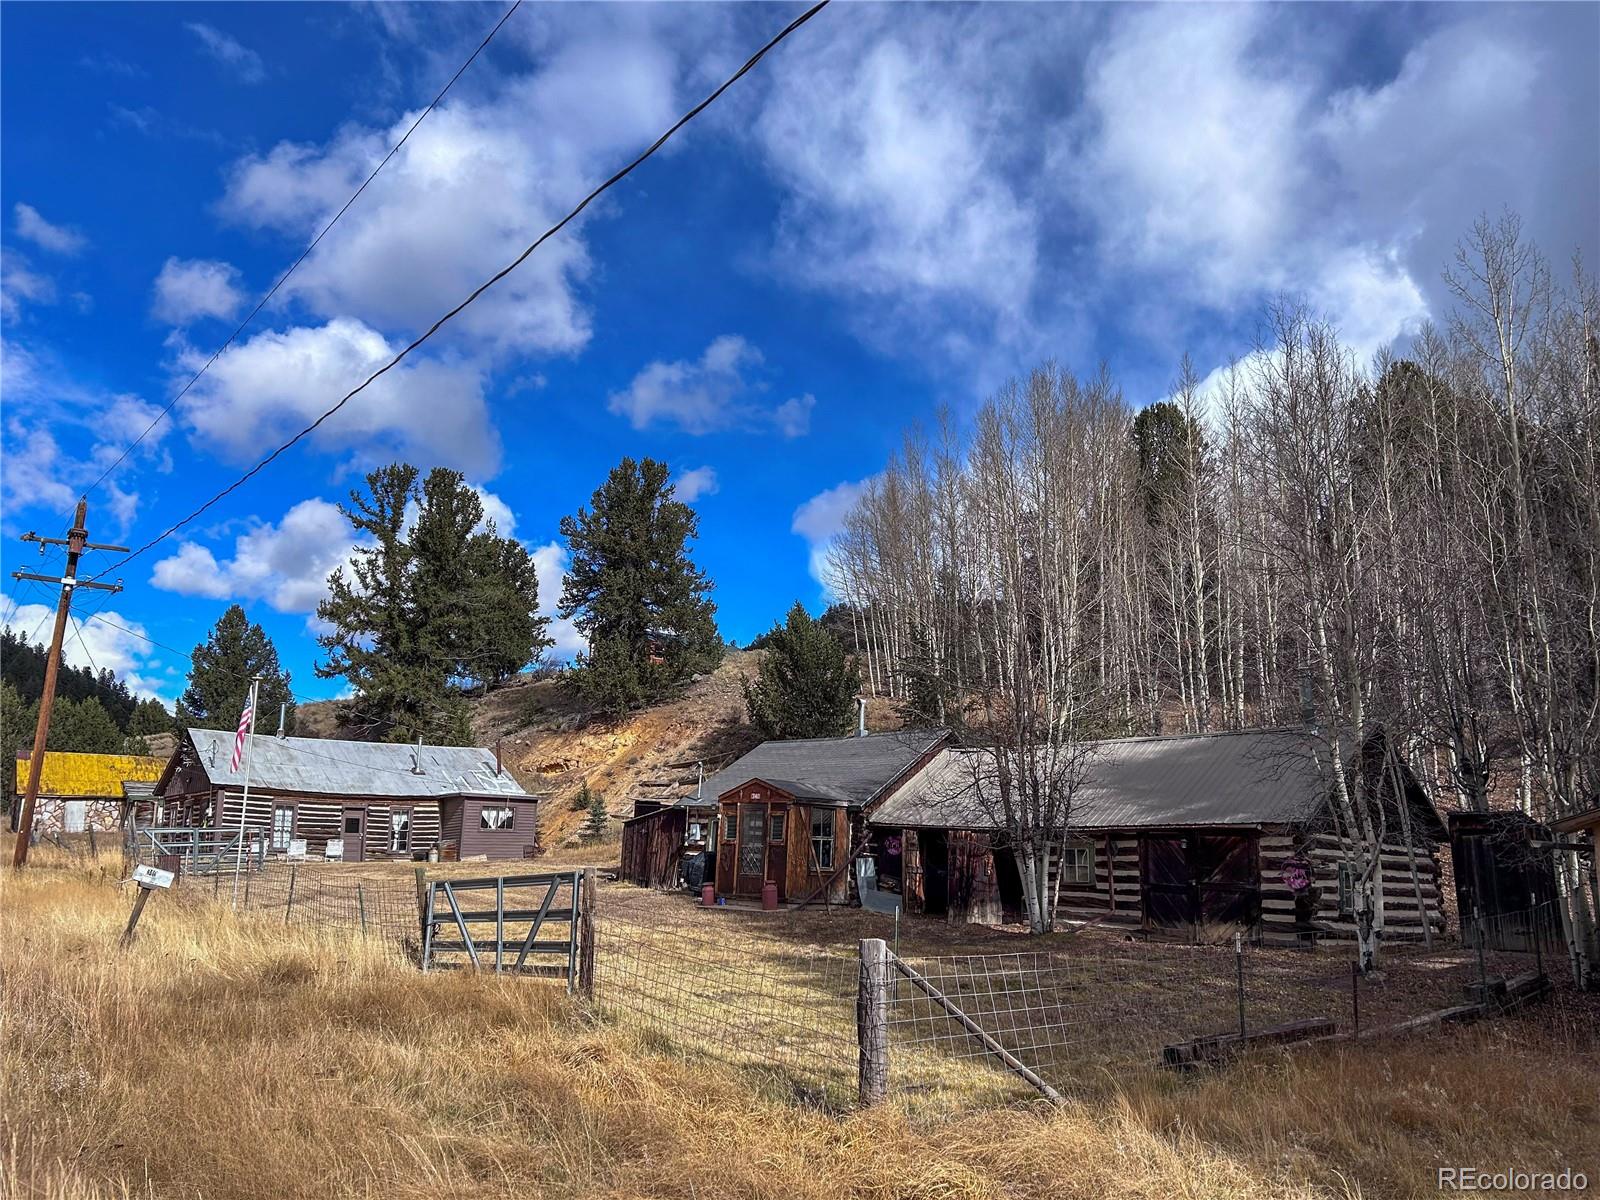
column 373, row 800
column 792, row 813
column 1175, row 834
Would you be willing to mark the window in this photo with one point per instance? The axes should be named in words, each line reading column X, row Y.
column 282, row 826
column 352, row 824
column 697, row 832
column 730, row 827
column 1347, row 891
column 776, row 833
column 399, row 830
column 497, row 818
column 1077, row 864
column 822, row 838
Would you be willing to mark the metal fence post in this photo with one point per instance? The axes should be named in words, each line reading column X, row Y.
column 288, row 905
column 585, row 919
column 1483, row 970
column 872, row 1023
column 1538, row 940
column 1355, row 994
column 1238, row 956
column 361, row 909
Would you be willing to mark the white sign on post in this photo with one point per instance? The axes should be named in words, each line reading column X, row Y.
column 335, row 849
column 152, row 877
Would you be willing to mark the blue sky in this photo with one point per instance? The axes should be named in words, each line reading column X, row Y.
column 899, row 210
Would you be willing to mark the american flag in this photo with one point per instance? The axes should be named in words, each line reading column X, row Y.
column 246, row 718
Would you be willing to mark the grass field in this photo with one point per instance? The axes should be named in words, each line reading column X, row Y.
column 222, row 1057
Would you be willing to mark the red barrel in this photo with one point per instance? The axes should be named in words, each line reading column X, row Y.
column 769, row 896
column 708, row 895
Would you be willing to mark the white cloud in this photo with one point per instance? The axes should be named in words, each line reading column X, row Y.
column 186, row 290
column 286, row 564
column 691, row 485
column 20, row 283
column 821, row 519
column 262, row 390
column 100, row 646
column 550, row 562
column 244, row 62
column 57, row 239
column 709, row 395
column 476, row 183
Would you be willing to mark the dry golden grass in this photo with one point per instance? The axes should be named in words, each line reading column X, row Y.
column 236, row 1058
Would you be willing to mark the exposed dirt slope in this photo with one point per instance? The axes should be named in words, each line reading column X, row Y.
column 552, row 744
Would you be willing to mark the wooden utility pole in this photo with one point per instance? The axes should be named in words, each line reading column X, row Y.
column 76, row 542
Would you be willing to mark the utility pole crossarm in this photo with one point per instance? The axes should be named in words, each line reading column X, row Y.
column 68, row 582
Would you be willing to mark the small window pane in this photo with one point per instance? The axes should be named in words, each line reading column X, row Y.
column 352, row 824
column 777, row 827
column 1077, row 866
column 822, row 838
column 730, row 828
column 497, row 818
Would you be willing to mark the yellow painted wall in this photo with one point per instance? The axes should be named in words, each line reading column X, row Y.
column 90, row 774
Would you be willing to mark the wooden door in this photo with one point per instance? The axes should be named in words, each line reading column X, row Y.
column 1169, row 898
column 354, row 831
column 751, row 867
column 1227, row 887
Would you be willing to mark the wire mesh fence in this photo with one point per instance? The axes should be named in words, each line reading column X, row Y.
column 783, row 1012
column 1076, row 1019
column 328, row 895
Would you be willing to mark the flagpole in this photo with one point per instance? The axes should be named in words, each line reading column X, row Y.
column 244, row 804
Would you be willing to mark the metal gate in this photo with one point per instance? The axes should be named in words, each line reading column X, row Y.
column 521, row 908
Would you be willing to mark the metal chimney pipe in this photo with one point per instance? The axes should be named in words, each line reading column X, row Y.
column 283, row 711
column 861, row 716
column 497, row 758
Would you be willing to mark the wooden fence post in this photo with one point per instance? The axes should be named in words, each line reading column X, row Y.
column 288, row 904
column 586, row 903
column 361, row 909
column 872, row 1022
column 422, row 903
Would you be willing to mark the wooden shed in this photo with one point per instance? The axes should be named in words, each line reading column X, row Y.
column 1182, row 834
column 653, row 845
column 372, row 800
column 792, row 813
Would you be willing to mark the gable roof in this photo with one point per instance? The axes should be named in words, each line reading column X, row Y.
column 847, row 770
column 337, row 768
column 69, row 774
column 1256, row 777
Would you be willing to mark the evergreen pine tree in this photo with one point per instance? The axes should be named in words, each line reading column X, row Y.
column 429, row 609
column 219, row 677
column 83, row 727
column 806, row 686
column 581, row 798
column 150, row 718
column 594, row 829
column 633, row 590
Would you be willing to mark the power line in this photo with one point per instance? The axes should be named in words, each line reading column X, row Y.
column 479, row 291
column 393, row 150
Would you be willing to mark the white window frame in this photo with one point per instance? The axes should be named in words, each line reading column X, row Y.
column 1077, row 864
column 282, row 837
column 509, row 823
column 400, row 835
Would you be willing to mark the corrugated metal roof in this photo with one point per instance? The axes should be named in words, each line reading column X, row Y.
column 335, row 768
column 1253, row 778
column 850, row 770
column 68, row 774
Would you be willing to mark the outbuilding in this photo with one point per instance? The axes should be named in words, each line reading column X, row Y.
column 1182, row 834
column 81, row 793
column 352, row 800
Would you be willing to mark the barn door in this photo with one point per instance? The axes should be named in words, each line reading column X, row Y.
column 1225, row 878
column 1168, row 895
